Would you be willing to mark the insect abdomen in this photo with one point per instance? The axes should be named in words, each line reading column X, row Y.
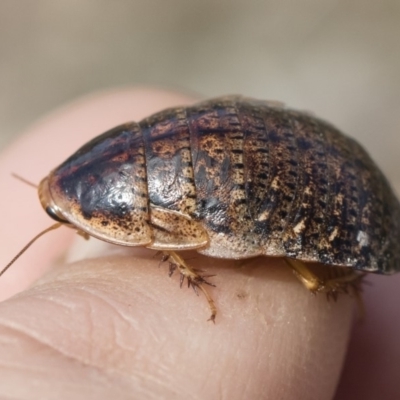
column 265, row 180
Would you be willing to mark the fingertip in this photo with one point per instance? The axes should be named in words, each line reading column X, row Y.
column 121, row 313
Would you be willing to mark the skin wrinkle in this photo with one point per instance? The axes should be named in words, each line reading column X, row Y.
column 41, row 292
column 83, row 360
column 107, row 287
column 19, row 366
column 94, row 294
column 57, row 301
column 22, row 368
column 164, row 378
column 89, row 320
column 51, row 389
column 19, row 330
column 137, row 375
column 97, row 296
column 91, row 328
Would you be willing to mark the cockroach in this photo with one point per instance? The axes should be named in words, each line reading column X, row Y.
column 233, row 178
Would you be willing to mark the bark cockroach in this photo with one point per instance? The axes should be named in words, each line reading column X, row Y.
column 233, row 178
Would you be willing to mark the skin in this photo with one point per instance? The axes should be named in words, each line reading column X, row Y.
column 104, row 321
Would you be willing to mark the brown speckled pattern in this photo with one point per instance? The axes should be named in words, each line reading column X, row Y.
column 234, row 178
column 102, row 188
column 269, row 180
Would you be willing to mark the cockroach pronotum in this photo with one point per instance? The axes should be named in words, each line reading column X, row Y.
column 233, row 178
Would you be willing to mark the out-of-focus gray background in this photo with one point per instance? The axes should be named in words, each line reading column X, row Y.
column 338, row 58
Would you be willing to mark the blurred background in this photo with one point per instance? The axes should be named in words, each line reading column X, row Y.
column 337, row 58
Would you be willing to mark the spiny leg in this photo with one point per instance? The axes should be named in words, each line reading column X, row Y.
column 196, row 281
column 332, row 281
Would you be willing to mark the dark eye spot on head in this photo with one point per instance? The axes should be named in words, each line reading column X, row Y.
column 54, row 215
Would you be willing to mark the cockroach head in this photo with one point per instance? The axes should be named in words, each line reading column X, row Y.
column 48, row 203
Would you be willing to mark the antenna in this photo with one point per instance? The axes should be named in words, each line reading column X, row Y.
column 20, row 178
column 52, row 227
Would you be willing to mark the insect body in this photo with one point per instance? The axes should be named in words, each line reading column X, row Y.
column 233, row 178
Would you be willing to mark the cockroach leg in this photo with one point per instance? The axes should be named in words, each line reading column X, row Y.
column 164, row 258
column 172, row 269
column 332, row 281
column 305, row 275
column 194, row 280
column 83, row 234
